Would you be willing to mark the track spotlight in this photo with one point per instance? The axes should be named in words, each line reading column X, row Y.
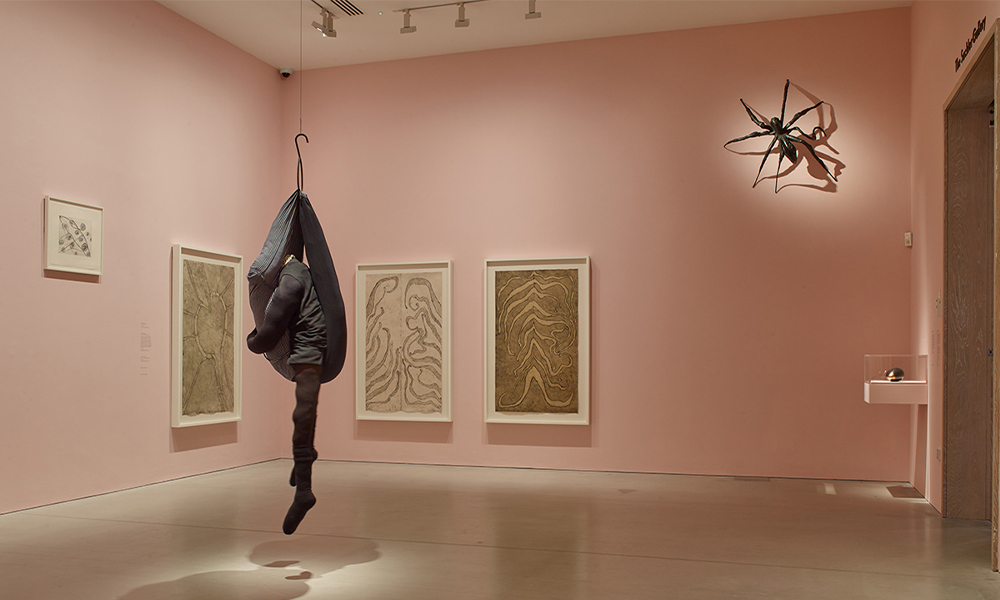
column 327, row 27
column 407, row 28
column 531, row 14
column 462, row 21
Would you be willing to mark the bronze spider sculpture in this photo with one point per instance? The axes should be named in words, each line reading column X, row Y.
column 784, row 137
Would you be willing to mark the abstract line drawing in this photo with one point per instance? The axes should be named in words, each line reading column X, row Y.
column 207, row 345
column 209, row 298
column 75, row 236
column 403, row 341
column 538, row 341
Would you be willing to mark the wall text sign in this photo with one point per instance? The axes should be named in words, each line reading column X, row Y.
column 976, row 32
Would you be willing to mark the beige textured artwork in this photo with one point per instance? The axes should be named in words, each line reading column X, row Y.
column 403, row 342
column 208, row 361
column 537, row 331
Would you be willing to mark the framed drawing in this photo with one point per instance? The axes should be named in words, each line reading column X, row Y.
column 403, row 316
column 538, row 341
column 74, row 237
column 206, row 350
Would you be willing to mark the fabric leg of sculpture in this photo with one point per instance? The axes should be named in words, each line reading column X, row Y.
column 303, row 449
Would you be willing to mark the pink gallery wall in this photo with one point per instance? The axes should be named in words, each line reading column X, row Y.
column 939, row 33
column 174, row 133
column 729, row 324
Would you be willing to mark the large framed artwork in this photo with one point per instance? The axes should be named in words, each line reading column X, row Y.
column 538, row 341
column 403, row 317
column 207, row 346
column 74, row 237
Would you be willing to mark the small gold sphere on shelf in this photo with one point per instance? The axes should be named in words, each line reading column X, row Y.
column 895, row 374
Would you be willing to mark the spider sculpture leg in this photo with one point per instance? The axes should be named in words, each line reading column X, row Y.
column 785, row 149
column 784, row 99
column 778, row 172
column 799, row 114
column 814, row 155
column 755, row 118
column 766, row 154
column 812, row 136
column 746, row 137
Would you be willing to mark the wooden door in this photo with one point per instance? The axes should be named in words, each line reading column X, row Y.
column 969, row 320
column 970, row 380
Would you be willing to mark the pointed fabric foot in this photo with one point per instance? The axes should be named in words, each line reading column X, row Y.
column 304, row 500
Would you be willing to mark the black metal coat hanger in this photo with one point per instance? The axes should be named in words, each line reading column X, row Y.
column 299, row 173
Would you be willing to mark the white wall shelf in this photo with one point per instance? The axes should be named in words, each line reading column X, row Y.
column 912, row 389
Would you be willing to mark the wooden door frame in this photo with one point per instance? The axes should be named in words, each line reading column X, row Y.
column 970, row 64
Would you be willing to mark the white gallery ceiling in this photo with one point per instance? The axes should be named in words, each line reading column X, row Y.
column 272, row 30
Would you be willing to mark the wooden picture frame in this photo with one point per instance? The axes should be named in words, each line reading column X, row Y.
column 73, row 237
column 403, row 341
column 538, row 341
column 207, row 340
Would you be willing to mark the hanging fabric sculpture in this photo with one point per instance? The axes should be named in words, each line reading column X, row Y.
column 297, row 227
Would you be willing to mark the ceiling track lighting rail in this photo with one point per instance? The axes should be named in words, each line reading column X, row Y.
column 406, row 10
column 461, row 21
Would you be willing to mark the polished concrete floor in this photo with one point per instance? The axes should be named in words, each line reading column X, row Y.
column 405, row 532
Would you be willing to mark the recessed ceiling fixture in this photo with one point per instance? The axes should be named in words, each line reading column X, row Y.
column 461, row 21
column 327, row 27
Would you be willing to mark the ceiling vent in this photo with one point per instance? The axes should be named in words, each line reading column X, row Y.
column 348, row 8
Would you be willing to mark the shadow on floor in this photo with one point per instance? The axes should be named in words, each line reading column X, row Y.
column 260, row 584
column 285, row 566
column 314, row 554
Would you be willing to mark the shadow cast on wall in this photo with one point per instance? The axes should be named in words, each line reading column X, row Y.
column 284, row 567
column 516, row 434
column 183, row 439
column 67, row 276
column 403, row 431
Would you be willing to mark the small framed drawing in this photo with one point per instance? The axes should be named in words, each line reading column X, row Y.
column 74, row 237
column 206, row 346
column 538, row 341
column 403, row 317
